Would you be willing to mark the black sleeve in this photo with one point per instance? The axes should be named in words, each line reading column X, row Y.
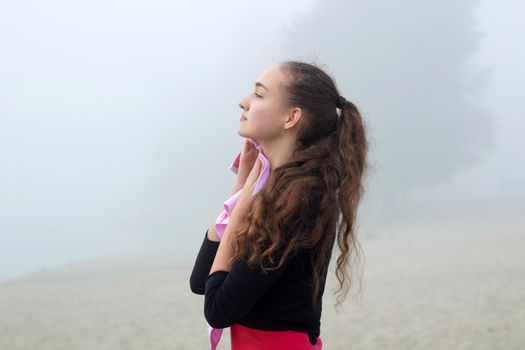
column 203, row 263
column 229, row 296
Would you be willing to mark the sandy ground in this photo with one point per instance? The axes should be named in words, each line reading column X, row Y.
column 459, row 285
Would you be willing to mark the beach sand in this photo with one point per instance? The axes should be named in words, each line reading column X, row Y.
column 459, row 285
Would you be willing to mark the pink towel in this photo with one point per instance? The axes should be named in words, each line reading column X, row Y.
column 224, row 217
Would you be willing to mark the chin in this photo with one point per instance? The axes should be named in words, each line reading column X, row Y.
column 242, row 133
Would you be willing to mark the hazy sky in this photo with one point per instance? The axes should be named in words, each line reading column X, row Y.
column 118, row 119
column 502, row 174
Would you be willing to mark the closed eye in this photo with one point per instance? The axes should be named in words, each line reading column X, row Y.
column 258, row 95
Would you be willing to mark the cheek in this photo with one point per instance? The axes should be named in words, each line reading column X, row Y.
column 265, row 117
column 265, row 126
column 258, row 114
column 265, row 111
column 258, row 109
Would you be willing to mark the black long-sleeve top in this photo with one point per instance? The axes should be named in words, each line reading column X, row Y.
column 277, row 300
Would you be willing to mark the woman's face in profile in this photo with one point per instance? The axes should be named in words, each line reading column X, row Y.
column 264, row 108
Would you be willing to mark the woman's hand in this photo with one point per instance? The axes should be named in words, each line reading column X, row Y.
column 240, row 210
column 248, row 157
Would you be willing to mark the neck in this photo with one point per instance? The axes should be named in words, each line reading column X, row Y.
column 278, row 151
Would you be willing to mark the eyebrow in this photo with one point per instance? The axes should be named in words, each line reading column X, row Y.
column 261, row 85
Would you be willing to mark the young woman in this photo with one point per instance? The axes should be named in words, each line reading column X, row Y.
column 265, row 277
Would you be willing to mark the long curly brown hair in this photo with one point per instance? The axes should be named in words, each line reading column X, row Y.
column 312, row 200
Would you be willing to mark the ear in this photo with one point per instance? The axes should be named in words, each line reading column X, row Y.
column 294, row 116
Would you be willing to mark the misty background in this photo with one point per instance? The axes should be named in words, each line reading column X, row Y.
column 118, row 119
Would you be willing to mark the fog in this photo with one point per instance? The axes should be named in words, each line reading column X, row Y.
column 118, row 119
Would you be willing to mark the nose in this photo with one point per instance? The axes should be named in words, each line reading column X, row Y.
column 243, row 104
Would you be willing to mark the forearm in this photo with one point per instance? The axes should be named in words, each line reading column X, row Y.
column 212, row 233
column 225, row 251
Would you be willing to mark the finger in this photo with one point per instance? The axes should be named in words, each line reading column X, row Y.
column 256, row 170
column 257, row 165
column 254, row 173
column 251, row 148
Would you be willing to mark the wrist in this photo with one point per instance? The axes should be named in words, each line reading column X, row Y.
column 239, row 184
column 237, row 187
column 238, row 214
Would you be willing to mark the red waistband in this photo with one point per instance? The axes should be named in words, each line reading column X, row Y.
column 246, row 338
